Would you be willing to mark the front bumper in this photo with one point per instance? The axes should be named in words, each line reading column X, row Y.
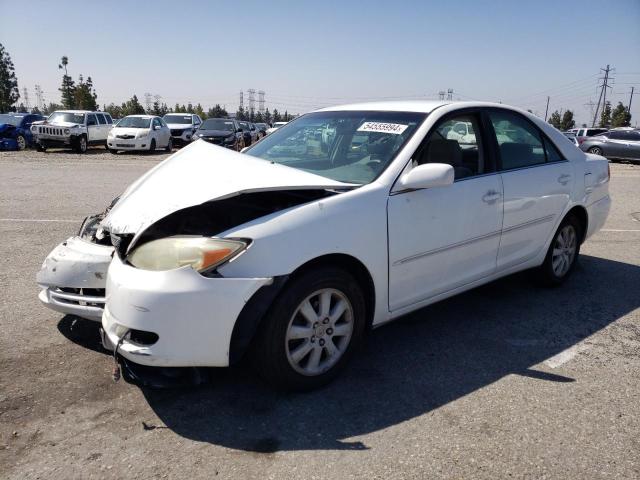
column 181, row 137
column 73, row 278
column 193, row 316
column 128, row 143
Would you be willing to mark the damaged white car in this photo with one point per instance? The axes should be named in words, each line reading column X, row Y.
column 294, row 249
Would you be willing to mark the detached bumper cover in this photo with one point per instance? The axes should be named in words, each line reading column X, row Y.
column 73, row 278
column 192, row 315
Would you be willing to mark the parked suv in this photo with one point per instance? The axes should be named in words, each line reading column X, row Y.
column 583, row 133
column 76, row 129
column 224, row 132
column 182, row 126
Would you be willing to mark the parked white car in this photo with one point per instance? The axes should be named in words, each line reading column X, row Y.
column 182, row 126
column 275, row 127
column 140, row 132
column 76, row 129
column 295, row 248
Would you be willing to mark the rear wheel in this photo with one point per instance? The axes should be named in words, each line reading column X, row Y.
column 22, row 143
column 595, row 150
column 311, row 330
column 563, row 252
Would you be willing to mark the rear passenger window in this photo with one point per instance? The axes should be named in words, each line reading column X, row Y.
column 101, row 119
column 553, row 154
column 457, row 142
column 91, row 120
column 109, row 119
column 519, row 142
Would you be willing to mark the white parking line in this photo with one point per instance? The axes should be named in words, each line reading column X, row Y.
column 38, row 220
column 564, row 356
column 618, row 230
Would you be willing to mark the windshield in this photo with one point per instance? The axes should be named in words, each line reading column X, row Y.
column 184, row 119
column 134, row 122
column 217, row 124
column 352, row 147
column 66, row 117
column 10, row 119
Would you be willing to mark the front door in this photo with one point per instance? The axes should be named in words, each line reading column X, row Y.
column 443, row 238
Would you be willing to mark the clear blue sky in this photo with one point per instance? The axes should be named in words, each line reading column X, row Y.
column 311, row 54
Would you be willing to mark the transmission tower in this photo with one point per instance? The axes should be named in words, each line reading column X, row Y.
column 25, row 95
column 241, row 100
column 450, row 94
column 603, row 91
column 261, row 95
column 252, row 101
column 147, row 100
column 441, row 94
column 39, row 98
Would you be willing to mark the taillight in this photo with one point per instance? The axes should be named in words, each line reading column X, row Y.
column 581, row 140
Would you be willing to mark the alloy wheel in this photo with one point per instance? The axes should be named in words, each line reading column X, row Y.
column 22, row 144
column 319, row 332
column 564, row 251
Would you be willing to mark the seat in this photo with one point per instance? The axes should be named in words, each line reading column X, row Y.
column 445, row 151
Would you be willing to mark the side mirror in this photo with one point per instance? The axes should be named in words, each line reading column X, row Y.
column 157, row 127
column 428, row 175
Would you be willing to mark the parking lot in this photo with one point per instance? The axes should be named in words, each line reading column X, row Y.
column 506, row 381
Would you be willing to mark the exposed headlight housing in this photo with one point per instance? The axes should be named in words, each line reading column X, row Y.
column 142, row 134
column 199, row 253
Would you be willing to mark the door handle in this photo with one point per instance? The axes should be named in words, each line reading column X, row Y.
column 564, row 179
column 491, row 196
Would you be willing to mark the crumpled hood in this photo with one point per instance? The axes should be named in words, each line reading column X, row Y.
column 5, row 126
column 197, row 174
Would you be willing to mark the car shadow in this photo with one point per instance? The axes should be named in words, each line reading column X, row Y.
column 408, row 368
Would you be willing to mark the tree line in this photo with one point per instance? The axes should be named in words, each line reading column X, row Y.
column 618, row 117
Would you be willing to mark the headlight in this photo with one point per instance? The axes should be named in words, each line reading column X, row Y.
column 200, row 253
column 34, row 128
column 142, row 134
column 67, row 131
column 111, row 133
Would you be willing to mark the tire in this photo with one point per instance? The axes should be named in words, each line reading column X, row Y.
column 22, row 143
column 563, row 253
column 152, row 145
column 595, row 150
column 40, row 148
column 169, row 147
column 81, row 144
column 112, row 151
column 291, row 350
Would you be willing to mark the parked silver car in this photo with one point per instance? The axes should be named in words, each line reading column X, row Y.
column 615, row 144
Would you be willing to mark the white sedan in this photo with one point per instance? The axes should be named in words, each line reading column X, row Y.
column 140, row 132
column 291, row 251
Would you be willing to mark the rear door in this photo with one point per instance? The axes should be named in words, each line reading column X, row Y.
column 93, row 128
column 104, row 126
column 537, row 182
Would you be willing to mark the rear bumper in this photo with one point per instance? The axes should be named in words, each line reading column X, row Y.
column 191, row 317
column 73, row 278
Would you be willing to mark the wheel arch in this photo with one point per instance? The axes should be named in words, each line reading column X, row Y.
column 255, row 309
column 581, row 214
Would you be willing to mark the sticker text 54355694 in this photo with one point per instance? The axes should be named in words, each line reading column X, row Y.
column 380, row 127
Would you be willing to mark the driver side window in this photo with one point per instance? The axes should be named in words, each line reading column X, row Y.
column 456, row 141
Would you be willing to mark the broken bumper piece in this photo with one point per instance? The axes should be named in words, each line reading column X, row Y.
column 73, row 278
column 174, row 318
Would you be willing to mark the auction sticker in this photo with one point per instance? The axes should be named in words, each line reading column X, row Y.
column 379, row 127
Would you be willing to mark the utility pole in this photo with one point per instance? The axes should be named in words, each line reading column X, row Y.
column 630, row 98
column 603, row 92
column 547, row 110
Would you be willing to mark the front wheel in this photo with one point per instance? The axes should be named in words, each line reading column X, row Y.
column 595, row 150
column 22, row 143
column 41, row 148
column 81, row 144
column 152, row 145
column 563, row 252
column 169, row 148
column 311, row 330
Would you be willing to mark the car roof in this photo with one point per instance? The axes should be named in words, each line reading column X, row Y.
column 77, row 111
column 141, row 116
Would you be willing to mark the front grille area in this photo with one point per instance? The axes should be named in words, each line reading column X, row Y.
column 86, row 297
column 126, row 137
column 177, row 132
column 215, row 140
column 51, row 130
